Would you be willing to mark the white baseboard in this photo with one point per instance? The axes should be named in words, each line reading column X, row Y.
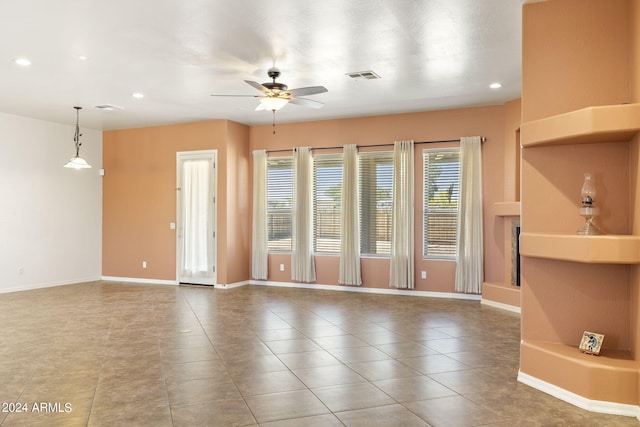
column 579, row 401
column 231, row 285
column 169, row 282
column 138, row 280
column 389, row 291
column 500, row 305
column 32, row 286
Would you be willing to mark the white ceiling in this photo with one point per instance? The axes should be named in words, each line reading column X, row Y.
column 430, row 54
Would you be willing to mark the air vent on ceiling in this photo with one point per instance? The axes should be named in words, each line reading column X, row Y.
column 108, row 107
column 369, row 75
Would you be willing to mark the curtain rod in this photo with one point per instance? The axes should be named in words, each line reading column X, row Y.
column 482, row 139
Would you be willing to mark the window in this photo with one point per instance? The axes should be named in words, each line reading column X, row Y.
column 376, row 196
column 441, row 194
column 279, row 202
column 375, row 189
column 327, row 193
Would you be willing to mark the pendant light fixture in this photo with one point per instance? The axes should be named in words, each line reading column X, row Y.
column 77, row 162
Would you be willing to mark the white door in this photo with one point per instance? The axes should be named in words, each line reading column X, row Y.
column 196, row 240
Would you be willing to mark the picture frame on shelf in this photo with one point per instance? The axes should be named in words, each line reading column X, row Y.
column 591, row 343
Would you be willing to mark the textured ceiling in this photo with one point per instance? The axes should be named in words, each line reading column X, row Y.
column 430, row 54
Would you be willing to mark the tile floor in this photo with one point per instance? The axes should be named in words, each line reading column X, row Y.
column 113, row 354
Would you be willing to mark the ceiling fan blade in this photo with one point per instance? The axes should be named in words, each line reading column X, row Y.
column 258, row 86
column 311, row 90
column 306, row 102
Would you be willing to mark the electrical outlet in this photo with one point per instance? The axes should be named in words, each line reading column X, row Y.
column 144, row 264
column 281, row 267
column 423, row 274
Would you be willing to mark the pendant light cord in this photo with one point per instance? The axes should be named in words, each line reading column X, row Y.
column 274, row 120
column 77, row 135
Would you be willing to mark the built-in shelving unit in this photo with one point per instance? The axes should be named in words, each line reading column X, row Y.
column 549, row 353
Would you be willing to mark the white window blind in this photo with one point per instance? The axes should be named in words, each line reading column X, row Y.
column 327, row 191
column 376, row 193
column 279, row 202
column 440, row 195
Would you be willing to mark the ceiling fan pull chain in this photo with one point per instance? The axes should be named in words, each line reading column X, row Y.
column 274, row 121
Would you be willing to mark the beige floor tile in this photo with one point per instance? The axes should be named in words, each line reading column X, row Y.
column 269, row 382
column 347, row 397
column 339, row 341
column 286, row 405
column 185, row 355
column 326, row 420
column 452, row 345
column 379, row 338
column 310, row 359
column 201, row 390
column 358, row 354
column 383, row 369
column 383, row 416
column 405, row 349
column 195, row 370
column 148, row 412
column 218, row 413
column 413, row 388
column 433, row 364
column 471, row 381
column 247, row 365
column 453, row 411
column 292, row 346
column 121, row 391
column 323, row 376
column 322, row 331
column 278, row 334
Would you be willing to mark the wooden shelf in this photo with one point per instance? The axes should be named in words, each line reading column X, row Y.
column 506, row 209
column 607, row 249
column 609, row 123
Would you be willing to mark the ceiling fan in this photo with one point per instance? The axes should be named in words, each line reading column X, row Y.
column 276, row 95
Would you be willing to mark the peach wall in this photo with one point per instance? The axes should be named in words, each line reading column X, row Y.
column 512, row 117
column 238, row 208
column 635, row 179
column 425, row 126
column 139, row 198
column 576, row 53
column 635, row 50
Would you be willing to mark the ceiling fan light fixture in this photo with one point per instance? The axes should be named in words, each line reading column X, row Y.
column 273, row 103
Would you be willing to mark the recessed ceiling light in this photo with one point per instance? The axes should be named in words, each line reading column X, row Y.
column 82, row 57
column 22, row 61
column 138, row 95
column 495, row 85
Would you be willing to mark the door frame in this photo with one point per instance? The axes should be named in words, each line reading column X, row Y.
column 189, row 155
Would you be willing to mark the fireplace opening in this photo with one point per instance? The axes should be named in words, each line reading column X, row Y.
column 515, row 252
